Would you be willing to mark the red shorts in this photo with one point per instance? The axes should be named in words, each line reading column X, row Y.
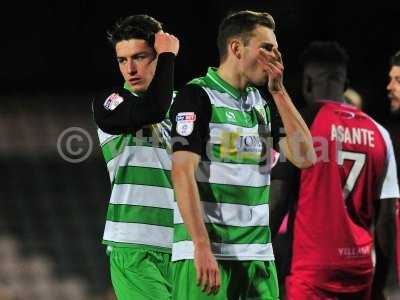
column 298, row 289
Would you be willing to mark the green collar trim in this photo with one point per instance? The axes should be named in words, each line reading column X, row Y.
column 213, row 81
column 226, row 87
column 127, row 87
column 213, row 76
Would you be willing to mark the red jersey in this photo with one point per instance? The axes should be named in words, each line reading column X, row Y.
column 332, row 239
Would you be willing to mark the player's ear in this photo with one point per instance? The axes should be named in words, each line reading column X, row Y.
column 235, row 47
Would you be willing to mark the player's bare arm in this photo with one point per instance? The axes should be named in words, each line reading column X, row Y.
column 385, row 236
column 184, row 165
column 298, row 144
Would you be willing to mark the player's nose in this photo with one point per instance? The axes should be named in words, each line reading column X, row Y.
column 132, row 68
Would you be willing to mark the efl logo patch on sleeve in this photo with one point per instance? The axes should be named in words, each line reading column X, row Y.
column 185, row 123
column 113, row 101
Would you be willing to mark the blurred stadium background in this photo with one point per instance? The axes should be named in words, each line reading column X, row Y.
column 54, row 57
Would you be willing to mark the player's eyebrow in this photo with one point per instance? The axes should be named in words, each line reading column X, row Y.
column 136, row 55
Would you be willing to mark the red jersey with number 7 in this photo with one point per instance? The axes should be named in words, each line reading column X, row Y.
column 332, row 239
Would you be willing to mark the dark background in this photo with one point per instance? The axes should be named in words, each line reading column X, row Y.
column 54, row 56
column 62, row 46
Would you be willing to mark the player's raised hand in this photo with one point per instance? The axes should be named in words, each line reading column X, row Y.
column 165, row 42
column 271, row 61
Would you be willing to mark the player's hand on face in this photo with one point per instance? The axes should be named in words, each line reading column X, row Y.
column 208, row 277
column 271, row 62
column 165, row 42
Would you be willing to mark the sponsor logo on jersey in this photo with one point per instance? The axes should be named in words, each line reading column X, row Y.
column 240, row 147
column 355, row 251
column 185, row 123
column 113, row 101
column 249, row 143
column 230, row 115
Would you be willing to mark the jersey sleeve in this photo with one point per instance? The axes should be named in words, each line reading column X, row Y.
column 119, row 111
column 190, row 116
column 277, row 129
column 390, row 186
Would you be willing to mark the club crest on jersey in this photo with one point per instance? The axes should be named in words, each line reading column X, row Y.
column 113, row 101
column 185, row 123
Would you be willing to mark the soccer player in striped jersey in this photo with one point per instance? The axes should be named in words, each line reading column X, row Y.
column 334, row 203
column 134, row 135
column 221, row 123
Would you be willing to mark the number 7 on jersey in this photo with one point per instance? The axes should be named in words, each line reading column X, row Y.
column 358, row 164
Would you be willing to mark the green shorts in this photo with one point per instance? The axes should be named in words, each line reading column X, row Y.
column 239, row 280
column 138, row 274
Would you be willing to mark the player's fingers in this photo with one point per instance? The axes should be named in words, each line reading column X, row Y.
column 277, row 54
column 209, row 284
column 217, row 282
column 274, row 68
column 267, row 69
column 215, row 275
column 265, row 60
column 265, row 54
column 267, row 57
column 264, row 65
column 199, row 275
column 279, row 66
column 173, row 38
column 203, row 279
column 262, row 60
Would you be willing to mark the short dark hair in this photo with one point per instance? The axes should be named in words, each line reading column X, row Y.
column 395, row 59
column 240, row 24
column 141, row 27
column 324, row 52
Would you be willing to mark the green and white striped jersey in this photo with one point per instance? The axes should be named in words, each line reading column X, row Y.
column 140, row 210
column 233, row 177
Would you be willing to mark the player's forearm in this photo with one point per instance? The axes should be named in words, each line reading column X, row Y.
column 382, row 267
column 126, row 113
column 385, row 234
column 278, row 204
column 189, row 205
column 158, row 97
column 385, row 228
column 298, row 136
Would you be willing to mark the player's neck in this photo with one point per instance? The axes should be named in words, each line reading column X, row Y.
column 330, row 98
column 328, row 92
column 229, row 73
